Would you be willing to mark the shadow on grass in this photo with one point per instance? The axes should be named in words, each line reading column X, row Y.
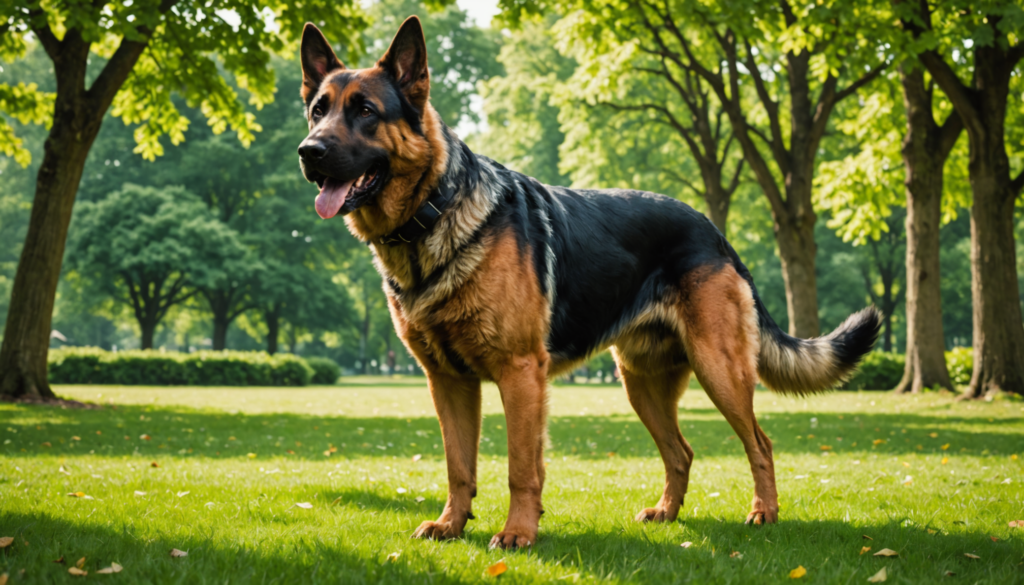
column 211, row 559
column 154, row 431
column 829, row 549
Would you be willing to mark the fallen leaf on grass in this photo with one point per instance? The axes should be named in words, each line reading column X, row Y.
column 797, row 572
column 945, row 447
column 866, row 537
column 393, row 557
column 336, row 500
column 80, row 563
column 950, row 574
column 154, row 464
column 970, row 556
column 877, row 441
column 416, row 457
column 497, row 568
column 420, row 499
column 182, row 494
column 77, row 572
column 251, row 455
column 735, row 555
column 59, row 561
column 887, row 552
column 825, row 448
column 879, row 577
column 139, row 494
column 113, row 568
column 175, row 553
column 1016, row 523
column 6, row 541
column 864, row 549
column 994, row 539
column 304, row 505
column 686, row 544
column 64, row 470
column 945, row 460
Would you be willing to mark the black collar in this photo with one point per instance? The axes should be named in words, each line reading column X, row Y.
column 425, row 217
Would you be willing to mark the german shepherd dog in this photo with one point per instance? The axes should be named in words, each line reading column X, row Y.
column 490, row 275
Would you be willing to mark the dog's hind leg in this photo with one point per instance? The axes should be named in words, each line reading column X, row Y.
column 655, row 398
column 722, row 343
column 457, row 401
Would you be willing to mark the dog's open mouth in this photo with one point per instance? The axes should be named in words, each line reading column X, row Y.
column 334, row 193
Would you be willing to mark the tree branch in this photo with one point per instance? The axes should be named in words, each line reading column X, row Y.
column 949, row 132
column 864, row 80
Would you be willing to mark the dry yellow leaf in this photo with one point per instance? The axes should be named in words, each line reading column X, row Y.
column 887, row 552
column 416, row 457
column 154, row 464
column 866, row 537
column 175, row 553
column 80, row 563
column 797, row 572
column 497, row 568
column 393, row 557
column 1016, row 523
column 970, row 556
column 6, row 541
column 826, row 447
column 77, row 572
column 864, row 549
column 686, row 544
column 945, row 460
column 877, row 441
column 251, row 455
column 945, row 447
column 879, row 577
column 994, row 539
column 735, row 555
column 933, row 435
column 113, row 568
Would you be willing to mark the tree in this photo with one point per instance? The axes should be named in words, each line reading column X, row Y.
column 861, row 189
column 994, row 31
column 735, row 48
column 627, row 75
column 147, row 50
column 522, row 124
column 145, row 248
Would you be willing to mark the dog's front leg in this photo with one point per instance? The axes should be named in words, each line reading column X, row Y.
column 457, row 401
column 523, row 384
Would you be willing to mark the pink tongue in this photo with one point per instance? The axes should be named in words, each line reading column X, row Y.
column 332, row 197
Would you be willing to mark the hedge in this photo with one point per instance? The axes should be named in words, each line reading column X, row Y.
column 325, row 370
column 883, row 371
column 89, row 365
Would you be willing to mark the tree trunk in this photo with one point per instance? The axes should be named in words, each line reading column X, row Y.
column 718, row 200
column 220, row 332
column 273, row 320
column 998, row 333
column 925, row 149
column 364, row 333
column 148, row 328
column 27, row 332
column 797, row 250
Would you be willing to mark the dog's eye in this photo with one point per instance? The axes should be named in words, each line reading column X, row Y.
column 317, row 113
column 365, row 112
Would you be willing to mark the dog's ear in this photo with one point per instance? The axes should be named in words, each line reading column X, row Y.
column 318, row 59
column 406, row 61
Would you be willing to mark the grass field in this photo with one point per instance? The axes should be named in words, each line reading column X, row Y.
column 217, row 472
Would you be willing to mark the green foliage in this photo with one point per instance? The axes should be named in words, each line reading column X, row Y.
column 190, row 49
column 325, row 370
column 960, row 363
column 89, row 365
column 878, row 371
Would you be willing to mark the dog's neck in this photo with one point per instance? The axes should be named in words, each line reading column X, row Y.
column 428, row 159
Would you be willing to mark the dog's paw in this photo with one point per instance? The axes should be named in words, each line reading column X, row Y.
column 656, row 515
column 438, row 531
column 759, row 517
column 513, row 539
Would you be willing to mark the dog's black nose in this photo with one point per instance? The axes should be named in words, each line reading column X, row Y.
column 312, row 150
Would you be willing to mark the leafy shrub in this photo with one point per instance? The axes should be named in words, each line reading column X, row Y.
column 90, row 365
column 325, row 370
column 960, row 362
column 878, row 371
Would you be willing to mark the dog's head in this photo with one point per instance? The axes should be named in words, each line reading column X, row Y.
column 372, row 133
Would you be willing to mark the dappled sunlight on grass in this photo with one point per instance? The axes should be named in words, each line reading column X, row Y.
column 218, row 472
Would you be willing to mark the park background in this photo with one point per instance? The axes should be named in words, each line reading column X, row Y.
column 192, row 184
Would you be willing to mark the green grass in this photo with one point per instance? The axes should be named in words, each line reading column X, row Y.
column 239, row 524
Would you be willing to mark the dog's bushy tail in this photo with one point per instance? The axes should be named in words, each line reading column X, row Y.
column 804, row 366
